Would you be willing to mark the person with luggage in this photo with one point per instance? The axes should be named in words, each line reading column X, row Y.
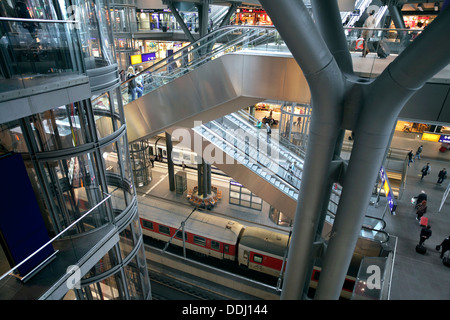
column 421, row 210
column 425, row 233
column 445, row 246
column 425, row 170
column 442, row 176
column 422, row 196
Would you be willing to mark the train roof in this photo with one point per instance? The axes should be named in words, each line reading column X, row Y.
column 265, row 240
column 199, row 223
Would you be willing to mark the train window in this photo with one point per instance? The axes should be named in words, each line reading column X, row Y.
column 200, row 241
column 164, row 153
column 257, row 258
column 227, row 248
column 179, row 235
column 147, row 224
column 164, row 229
column 215, row 245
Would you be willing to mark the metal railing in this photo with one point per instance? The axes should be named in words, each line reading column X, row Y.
column 58, row 236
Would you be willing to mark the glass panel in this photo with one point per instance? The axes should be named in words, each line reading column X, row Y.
column 108, row 261
column 36, row 53
column 61, row 128
column 75, row 190
column 126, row 242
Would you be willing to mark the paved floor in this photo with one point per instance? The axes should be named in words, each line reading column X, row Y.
column 415, row 276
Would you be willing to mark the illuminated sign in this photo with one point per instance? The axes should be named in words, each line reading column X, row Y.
column 444, row 138
column 431, row 137
column 387, row 190
column 135, row 59
column 148, row 56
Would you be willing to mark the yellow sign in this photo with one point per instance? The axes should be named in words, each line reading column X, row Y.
column 431, row 137
column 137, row 58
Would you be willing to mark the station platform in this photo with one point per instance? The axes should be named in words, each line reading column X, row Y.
column 414, row 277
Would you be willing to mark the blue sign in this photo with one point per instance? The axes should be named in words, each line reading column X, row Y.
column 444, row 138
column 148, row 56
column 387, row 190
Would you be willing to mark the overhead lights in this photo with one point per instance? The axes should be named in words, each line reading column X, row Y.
column 420, row 7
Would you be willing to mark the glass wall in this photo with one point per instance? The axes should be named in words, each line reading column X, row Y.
column 294, row 123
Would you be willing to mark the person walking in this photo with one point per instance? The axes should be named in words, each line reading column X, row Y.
column 425, row 233
column 410, row 157
column 425, row 170
column 269, row 131
column 367, row 33
column 422, row 196
column 445, row 246
column 442, row 176
column 418, row 152
column 421, row 210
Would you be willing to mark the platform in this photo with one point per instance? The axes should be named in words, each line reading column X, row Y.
column 415, row 276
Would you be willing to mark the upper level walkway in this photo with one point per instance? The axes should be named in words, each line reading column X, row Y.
column 251, row 65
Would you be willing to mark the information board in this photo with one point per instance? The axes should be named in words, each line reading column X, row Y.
column 387, row 191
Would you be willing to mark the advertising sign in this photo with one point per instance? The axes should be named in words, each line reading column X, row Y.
column 387, row 190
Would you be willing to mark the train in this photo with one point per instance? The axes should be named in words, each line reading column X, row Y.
column 252, row 248
column 180, row 153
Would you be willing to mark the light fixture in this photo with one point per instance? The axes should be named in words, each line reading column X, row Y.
column 436, row 6
column 420, row 7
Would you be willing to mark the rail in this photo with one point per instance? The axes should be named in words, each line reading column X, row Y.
column 58, row 236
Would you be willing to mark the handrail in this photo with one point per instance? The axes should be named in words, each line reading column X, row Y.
column 37, row 20
column 57, row 236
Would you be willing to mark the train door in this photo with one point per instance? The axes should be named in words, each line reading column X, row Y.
column 160, row 153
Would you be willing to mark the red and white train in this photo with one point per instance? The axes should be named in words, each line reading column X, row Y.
column 250, row 247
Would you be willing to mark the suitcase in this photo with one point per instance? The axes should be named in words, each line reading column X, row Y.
column 446, row 258
column 421, row 249
column 424, row 221
column 383, row 49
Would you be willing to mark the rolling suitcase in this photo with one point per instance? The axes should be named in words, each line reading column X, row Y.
column 421, row 249
column 383, row 49
column 423, row 221
column 446, row 258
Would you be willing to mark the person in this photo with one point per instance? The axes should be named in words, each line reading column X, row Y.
column 421, row 209
column 426, row 170
column 442, row 176
column 132, row 85
column 22, row 12
column 425, row 233
column 366, row 34
column 269, row 131
column 445, row 246
column 422, row 196
column 410, row 157
column 418, row 152
column 140, row 79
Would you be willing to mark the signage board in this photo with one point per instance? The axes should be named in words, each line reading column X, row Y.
column 387, row 190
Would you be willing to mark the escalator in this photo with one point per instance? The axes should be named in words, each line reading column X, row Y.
column 269, row 177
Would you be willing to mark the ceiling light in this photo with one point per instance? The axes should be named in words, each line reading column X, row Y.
column 420, row 7
column 436, row 6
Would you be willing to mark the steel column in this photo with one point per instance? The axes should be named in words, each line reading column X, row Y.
column 300, row 34
column 377, row 117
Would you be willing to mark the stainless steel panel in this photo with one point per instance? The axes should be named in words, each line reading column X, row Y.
column 427, row 103
column 221, row 86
